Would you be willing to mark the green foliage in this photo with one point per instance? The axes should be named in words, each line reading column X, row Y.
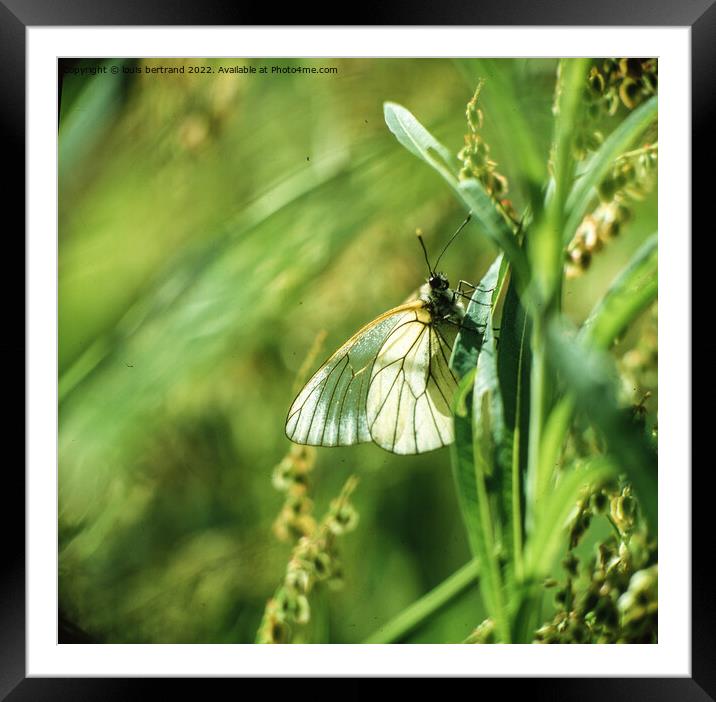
column 209, row 229
column 518, row 476
column 619, row 141
column 632, row 291
column 476, row 450
column 200, row 253
column 411, row 134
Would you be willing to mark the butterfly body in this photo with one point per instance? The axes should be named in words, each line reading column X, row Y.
column 442, row 302
column 390, row 383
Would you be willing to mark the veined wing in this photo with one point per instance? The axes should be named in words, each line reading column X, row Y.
column 331, row 408
column 412, row 387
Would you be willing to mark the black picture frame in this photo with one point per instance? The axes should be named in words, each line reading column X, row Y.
column 16, row 15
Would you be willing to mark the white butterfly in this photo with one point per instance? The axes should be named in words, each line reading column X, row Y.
column 391, row 382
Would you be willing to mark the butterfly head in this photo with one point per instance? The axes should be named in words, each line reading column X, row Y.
column 438, row 282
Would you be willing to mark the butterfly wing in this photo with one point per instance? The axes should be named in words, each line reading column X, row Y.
column 331, row 408
column 412, row 386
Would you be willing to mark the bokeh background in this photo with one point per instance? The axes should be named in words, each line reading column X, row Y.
column 210, row 226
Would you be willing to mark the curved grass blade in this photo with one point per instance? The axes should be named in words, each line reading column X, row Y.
column 420, row 611
column 494, row 226
column 547, row 540
column 470, row 452
column 632, row 292
column 590, row 377
column 418, row 140
column 614, row 145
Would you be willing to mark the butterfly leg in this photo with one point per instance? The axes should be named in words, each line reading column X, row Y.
column 479, row 328
column 464, row 283
column 459, row 290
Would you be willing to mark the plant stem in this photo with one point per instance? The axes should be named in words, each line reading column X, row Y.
column 517, row 525
column 417, row 613
column 617, row 531
column 637, row 152
column 538, row 410
column 491, row 563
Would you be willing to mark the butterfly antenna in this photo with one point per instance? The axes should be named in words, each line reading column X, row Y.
column 419, row 234
column 452, row 238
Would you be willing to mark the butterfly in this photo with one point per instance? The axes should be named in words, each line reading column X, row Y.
column 391, row 382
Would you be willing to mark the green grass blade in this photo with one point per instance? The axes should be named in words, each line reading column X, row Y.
column 634, row 290
column 492, row 439
column 569, row 100
column 464, row 473
column 464, row 361
column 418, row 140
column 469, row 339
column 544, row 545
column 547, row 540
column 493, row 224
column 513, row 362
column 420, row 611
column 492, row 446
column 590, row 376
column 615, row 144
column 544, row 239
column 553, row 438
column 471, row 452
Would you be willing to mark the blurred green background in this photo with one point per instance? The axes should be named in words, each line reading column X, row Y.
column 209, row 227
